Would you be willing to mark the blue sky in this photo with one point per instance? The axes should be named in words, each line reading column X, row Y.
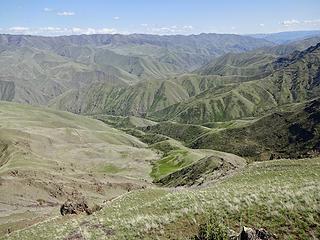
column 64, row 17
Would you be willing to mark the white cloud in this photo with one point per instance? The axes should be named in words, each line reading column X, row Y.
column 51, row 29
column 187, row 27
column 261, row 25
column 144, row 24
column 77, row 30
column 56, row 31
column 174, row 29
column 48, row 9
column 310, row 23
column 19, row 29
column 291, row 22
column 106, row 31
column 65, row 13
column 116, row 18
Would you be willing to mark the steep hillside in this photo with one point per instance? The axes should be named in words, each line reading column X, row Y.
column 136, row 100
column 39, row 75
column 257, row 63
column 252, row 65
column 124, row 122
column 7, row 90
column 289, row 48
column 293, row 134
column 296, row 80
column 219, row 78
column 137, row 67
column 145, row 97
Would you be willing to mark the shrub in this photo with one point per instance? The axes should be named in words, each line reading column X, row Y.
column 212, row 229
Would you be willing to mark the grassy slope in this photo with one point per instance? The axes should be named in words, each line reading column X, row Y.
column 296, row 81
column 182, row 166
column 140, row 99
column 124, row 122
column 280, row 195
column 132, row 100
column 252, row 65
column 49, row 155
column 185, row 133
column 176, row 158
column 293, row 133
column 225, row 72
column 40, row 75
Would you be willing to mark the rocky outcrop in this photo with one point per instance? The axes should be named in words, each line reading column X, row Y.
column 74, row 207
column 77, row 207
column 253, row 234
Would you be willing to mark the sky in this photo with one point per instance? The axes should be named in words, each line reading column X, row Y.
column 66, row 17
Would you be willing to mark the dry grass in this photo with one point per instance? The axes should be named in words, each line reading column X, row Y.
column 281, row 196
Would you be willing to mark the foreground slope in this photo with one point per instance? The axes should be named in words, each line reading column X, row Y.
column 280, row 195
column 47, row 156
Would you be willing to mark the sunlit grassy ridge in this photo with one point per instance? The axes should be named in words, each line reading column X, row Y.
column 281, row 196
column 46, row 156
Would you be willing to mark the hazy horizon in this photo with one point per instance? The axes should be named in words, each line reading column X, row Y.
column 56, row 18
column 139, row 33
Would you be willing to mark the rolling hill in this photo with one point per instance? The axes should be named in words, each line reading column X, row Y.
column 48, row 156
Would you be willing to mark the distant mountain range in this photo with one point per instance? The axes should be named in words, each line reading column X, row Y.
column 192, row 79
column 230, row 87
column 43, row 68
column 286, row 37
